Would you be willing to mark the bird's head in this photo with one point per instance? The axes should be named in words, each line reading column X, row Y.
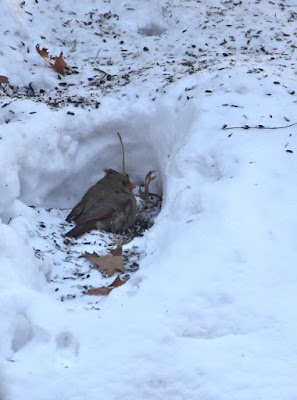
column 119, row 179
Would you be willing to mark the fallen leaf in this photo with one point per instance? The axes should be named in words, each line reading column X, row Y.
column 118, row 282
column 44, row 54
column 3, row 79
column 104, row 291
column 118, row 251
column 144, row 194
column 108, row 264
column 60, row 63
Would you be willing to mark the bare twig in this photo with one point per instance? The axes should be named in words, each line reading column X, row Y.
column 123, row 152
column 225, row 127
column 145, row 194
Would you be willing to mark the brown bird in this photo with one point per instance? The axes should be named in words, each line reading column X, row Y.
column 109, row 205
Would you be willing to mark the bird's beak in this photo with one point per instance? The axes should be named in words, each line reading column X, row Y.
column 131, row 186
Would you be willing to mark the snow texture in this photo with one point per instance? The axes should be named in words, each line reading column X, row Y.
column 196, row 89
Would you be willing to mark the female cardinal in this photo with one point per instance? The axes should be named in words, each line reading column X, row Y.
column 109, row 205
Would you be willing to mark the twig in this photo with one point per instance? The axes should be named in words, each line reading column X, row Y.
column 123, row 153
column 97, row 55
column 225, row 127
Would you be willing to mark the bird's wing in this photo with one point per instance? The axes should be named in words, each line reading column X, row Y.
column 80, row 229
column 76, row 211
column 96, row 193
column 94, row 209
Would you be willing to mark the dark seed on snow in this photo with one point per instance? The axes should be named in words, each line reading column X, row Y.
column 70, row 113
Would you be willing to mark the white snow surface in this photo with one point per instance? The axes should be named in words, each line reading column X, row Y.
column 211, row 312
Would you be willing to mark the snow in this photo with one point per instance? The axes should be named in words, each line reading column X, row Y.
column 210, row 312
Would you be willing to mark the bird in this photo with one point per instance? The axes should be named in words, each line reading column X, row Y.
column 109, row 205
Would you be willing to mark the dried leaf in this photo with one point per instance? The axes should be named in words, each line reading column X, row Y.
column 118, row 251
column 108, row 264
column 60, row 63
column 104, row 291
column 118, row 282
column 44, row 54
column 3, row 79
column 144, row 195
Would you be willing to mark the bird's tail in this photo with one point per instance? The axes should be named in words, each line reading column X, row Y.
column 80, row 229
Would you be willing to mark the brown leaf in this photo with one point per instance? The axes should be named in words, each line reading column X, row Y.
column 3, row 79
column 118, row 282
column 60, row 64
column 118, row 251
column 104, row 291
column 44, row 54
column 108, row 264
column 144, row 195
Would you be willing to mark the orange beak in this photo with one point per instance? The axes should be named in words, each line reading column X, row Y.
column 131, row 186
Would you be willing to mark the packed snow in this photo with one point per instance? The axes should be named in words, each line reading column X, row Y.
column 204, row 94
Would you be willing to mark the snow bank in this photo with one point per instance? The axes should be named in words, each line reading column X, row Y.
column 209, row 290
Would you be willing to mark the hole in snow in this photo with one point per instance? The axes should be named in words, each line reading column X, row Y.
column 66, row 341
column 152, row 140
column 152, row 29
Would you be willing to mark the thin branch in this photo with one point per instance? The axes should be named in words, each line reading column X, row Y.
column 123, row 152
column 225, row 127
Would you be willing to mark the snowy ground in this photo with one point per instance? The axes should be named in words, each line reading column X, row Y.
column 209, row 310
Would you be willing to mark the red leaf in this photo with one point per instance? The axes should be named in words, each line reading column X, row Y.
column 60, row 64
column 3, row 79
